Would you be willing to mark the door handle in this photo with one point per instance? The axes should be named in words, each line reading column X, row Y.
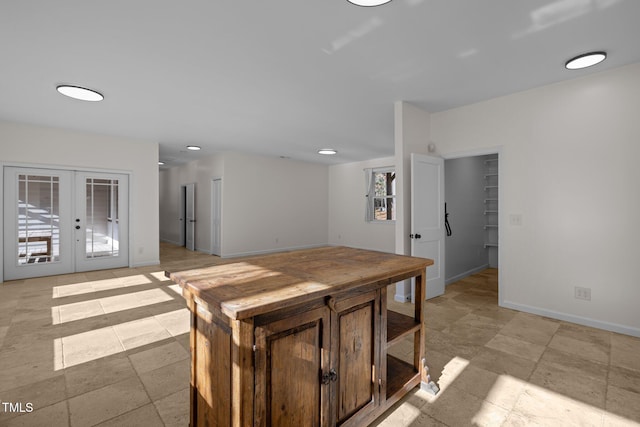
column 415, row 236
column 418, row 236
column 192, row 220
column 327, row 377
column 77, row 227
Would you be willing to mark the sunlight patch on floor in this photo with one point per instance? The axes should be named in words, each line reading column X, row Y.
column 451, row 371
column 98, row 307
column 175, row 288
column 99, row 285
column 540, row 406
column 159, row 276
column 508, row 401
column 84, row 347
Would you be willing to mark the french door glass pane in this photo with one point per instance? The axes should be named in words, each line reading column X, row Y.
column 38, row 219
column 102, row 228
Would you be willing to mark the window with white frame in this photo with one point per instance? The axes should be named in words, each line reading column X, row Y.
column 381, row 194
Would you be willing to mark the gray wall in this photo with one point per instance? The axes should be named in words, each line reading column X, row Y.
column 464, row 195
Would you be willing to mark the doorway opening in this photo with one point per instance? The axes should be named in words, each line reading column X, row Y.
column 473, row 206
column 187, row 216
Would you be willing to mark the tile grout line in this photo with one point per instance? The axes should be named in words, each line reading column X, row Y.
column 145, row 389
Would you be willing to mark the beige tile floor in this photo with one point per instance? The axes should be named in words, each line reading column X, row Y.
column 499, row 367
column 110, row 348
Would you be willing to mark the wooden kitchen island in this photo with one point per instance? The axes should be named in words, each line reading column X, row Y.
column 300, row 338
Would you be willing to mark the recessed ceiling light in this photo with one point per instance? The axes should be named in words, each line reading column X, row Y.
column 327, row 151
column 585, row 60
column 193, row 147
column 81, row 93
column 160, row 163
column 368, row 3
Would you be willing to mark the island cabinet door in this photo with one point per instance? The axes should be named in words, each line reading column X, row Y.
column 291, row 360
column 355, row 325
column 211, row 361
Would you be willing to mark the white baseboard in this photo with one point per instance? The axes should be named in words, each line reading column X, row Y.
column 404, row 291
column 145, row 264
column 170, row 241
column 466, row 274
column 402, row 298
column 586, row 321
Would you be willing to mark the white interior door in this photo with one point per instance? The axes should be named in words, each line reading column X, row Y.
column 216, row 215
column 61, row 221
column 427, row 217
column 190, row 216
column 101, row 226
column 37, row 222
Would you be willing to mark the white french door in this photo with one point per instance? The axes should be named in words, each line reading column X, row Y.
column 102, row 213
column 62, row 221
column 37, row 222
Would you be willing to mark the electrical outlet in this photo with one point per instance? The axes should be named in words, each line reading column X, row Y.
column 515, row 220
column 583, row 293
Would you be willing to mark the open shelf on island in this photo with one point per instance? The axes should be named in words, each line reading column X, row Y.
column 400, row 375
column 399, row 325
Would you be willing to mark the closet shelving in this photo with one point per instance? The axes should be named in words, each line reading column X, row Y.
column 491, row 208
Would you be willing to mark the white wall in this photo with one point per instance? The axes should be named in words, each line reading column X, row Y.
column 412, row 129
column 51, row 147
column 347, row 225
column 271, row 204
column 569, row 166
column 268, row 203
column 412, row 135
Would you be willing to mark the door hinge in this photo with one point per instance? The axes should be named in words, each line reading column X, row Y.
column 254, row 355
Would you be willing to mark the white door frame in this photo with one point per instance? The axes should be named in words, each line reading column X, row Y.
column 64, row 168
column 216, row 206
column 182, row 213
column 483, row 152
column 185, row 200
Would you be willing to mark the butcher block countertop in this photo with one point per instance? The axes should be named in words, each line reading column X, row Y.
column 247, row 287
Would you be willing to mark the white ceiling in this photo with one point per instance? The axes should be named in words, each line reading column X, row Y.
column 288, row 77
